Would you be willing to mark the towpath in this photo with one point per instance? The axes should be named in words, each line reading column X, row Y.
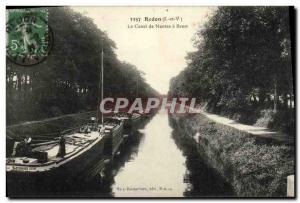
column 253, row 130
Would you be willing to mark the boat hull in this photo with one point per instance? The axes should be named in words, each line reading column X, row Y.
column 113, row 140
column 132, row 122
column 62, row 177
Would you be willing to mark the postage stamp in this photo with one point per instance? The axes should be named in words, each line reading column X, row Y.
column 29, row 39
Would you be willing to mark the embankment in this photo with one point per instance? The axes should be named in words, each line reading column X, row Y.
column 253, row 167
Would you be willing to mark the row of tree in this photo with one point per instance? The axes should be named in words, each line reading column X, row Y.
column 243, row 63
column 68, row 80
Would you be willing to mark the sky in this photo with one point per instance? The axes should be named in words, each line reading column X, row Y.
column 158, row 52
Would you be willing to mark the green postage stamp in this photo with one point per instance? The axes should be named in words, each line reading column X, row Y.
column 28, row 35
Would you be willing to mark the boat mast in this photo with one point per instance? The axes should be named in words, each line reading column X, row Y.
column 102, row 80
column 100, row 86
column 137, row 85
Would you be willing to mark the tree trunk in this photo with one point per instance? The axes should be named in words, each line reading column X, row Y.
column 285, row 101
column 262, row 97
column 19, row 86
column 276, row 98
column 291, row 100
column 25, row 85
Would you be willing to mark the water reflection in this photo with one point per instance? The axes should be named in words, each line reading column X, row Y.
column 95, row 185
column 90, row 183
column 154, row 161
column 158, row 167
column 202, row 180
column 166, row 164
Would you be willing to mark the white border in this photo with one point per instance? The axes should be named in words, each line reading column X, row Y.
column 152, row 2
column 4, row 3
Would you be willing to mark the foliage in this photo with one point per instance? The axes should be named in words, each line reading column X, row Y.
column 68, row 80
column 251, row 165
column 242, row 64
column 267, row 116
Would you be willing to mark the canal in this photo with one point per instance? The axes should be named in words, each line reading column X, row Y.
column 154, row 161
column 158, row 169
column 160, row 163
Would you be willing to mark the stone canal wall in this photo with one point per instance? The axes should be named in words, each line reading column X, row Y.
column 254, row 167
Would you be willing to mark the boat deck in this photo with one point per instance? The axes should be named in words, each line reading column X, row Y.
column 74, row 144
column 44, row 156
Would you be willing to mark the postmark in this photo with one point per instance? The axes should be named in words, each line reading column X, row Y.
column 29, row 38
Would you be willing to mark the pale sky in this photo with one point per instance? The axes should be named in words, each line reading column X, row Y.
column 159, row 53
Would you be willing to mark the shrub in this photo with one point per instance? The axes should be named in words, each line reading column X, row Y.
column 266, row 118
column 254, row 169
column 283, row 120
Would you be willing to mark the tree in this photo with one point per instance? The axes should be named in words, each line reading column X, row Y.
column 242, row 63
column 67, row 81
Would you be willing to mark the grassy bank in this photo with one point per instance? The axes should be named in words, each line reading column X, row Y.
column 254, row 168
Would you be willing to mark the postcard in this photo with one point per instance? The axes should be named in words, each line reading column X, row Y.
column 150, row 102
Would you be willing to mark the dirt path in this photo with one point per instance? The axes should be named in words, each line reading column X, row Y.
column 253, row 130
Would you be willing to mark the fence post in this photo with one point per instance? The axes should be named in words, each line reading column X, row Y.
column 290, row 186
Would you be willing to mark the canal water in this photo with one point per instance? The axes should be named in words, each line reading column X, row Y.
column 157, row 169
column 154, row 161
column 164, row 164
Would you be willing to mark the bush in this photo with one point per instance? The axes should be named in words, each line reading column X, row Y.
column 254, row 169
column 55, row 111
column 283, row 121
column 266, row 118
